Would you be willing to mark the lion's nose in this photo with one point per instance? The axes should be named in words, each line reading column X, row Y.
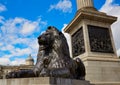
column 39, row 37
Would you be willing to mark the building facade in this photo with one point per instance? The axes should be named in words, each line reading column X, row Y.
column 29, row 63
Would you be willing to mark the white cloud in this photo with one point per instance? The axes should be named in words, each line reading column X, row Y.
column 1, row 44
column 4, row 61
column 2, row 8
column 18, row 39
column 109, row 7
column 113, row 9
column 21, row 52
column 68, row 37
column 18, row 61
column 29, row 27
column 8, row 47
column 63, row 5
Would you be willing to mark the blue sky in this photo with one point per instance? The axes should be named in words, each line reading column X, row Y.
column 22, row 21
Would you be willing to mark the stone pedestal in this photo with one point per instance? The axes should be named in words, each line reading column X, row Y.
column 102, row 70
column 43, row 81
column 93, row 43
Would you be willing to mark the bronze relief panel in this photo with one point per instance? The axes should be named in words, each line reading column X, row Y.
column 100, row 40
column 78, row 46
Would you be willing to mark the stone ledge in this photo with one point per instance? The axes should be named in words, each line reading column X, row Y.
column 43, row 81
column 105, row 83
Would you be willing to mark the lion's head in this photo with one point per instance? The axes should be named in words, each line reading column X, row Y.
column 54, row 39
column 46, row 38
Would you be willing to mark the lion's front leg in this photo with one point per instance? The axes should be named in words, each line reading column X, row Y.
column 44, row 73
column 38, row 68
column 41, row 68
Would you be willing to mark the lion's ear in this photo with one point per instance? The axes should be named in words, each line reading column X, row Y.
column 49, row 27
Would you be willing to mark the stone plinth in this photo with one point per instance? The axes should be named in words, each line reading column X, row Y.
column 102, row 67
column 43, row 81
column 102, row 70
column 106, row 83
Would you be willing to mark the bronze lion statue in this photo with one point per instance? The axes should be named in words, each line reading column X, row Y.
column 53, row 59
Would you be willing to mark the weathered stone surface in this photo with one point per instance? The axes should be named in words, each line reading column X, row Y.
column 103, row 71
column 43, row 81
